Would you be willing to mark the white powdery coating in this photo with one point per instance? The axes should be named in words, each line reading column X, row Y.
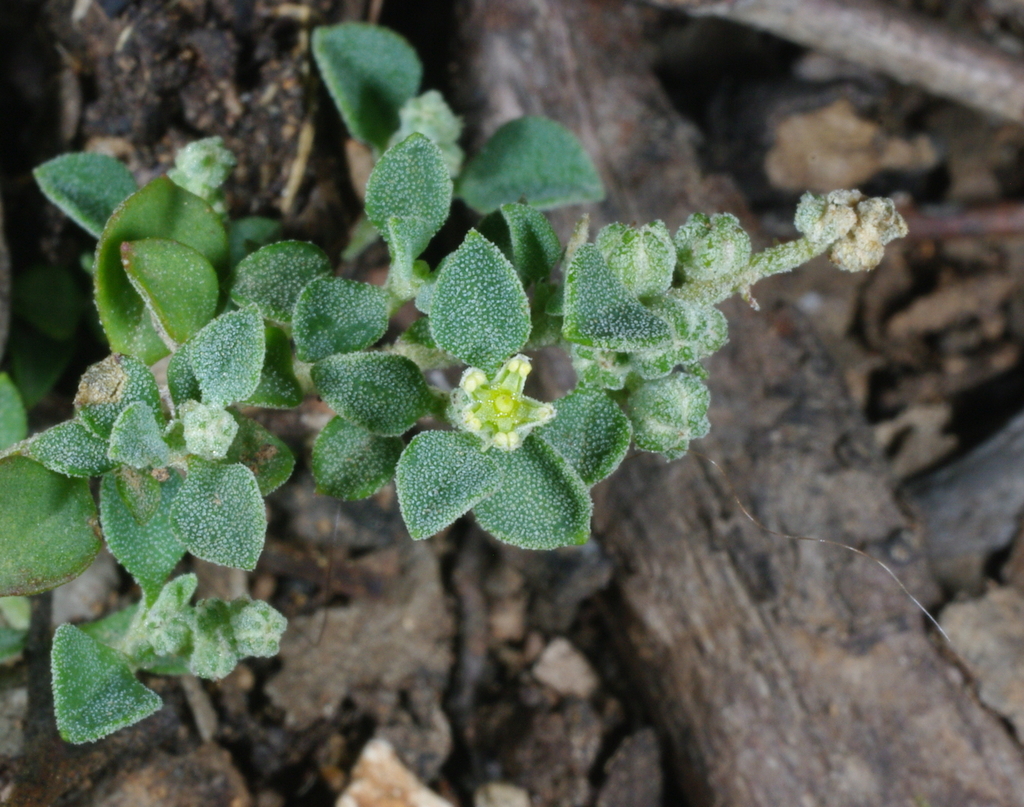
column 109, row 386
column 410, row 183
column 601, row 312
column 94, row 690
column 136, row 438
column 381, row 392
column 148, row 551
column 541, row 504
column 71, row 449
column 669, row 412
column 336, row 315
column 209, row 430
column 351, row 463
column 219, row 515
column 643, row 258
column 591, row 432
column 227, row 357
column 273, row 277
column 479, row 312
column 431, row 116
column 441, row 476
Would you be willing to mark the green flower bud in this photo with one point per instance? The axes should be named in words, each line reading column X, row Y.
column 201, row 168
column 711, row 247
column 431, row 116
column 643, row 258
column 209, row 430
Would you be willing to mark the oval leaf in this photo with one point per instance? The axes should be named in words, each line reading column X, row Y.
column 591, row 432
column 50, row 299
column 278, row 388
column 351, row 463
column 269, row 459
column 13, row 420
column 70, row 448
column 334, row 315
column 479, row 312
column 408, row 197
column 137, row 439
column 601, row 312
column 534, row 248
column 87, row 187
column 272, row 278
column 159, row 210
column 440, row 477
column 227, row 357
column 541, row 504
column 149, row 551
column 48, row 527
column 218, row 515
column 109, row 386
column 177, row 283
column 370, row 72
column 95, row 692
column 381, row 392
column 532, row 158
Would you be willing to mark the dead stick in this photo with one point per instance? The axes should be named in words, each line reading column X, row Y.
column 908, row 47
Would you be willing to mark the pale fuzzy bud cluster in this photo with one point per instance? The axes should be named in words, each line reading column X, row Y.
column 202, row 167
column 710, row 247
column 496, row 410
column 854, row 227
column 209, row 430
column 431, row 116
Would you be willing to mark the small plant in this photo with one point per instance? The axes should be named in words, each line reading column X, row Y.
column 248, row 319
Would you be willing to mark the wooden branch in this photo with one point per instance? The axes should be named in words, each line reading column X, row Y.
column 905, row 46
column 779, row 673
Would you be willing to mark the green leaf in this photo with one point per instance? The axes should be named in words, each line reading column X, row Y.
column 442, row 476
column 13, row 421
column 669, row 412
column 70, row 448
column 87, row 187
column 351, row 463
column 178, row 285
column 95, row 692
column 408, row 197
column 334, row 315
column 140, row 492
column 601, row 312
column 525, row 237
column 643, row 258
column 381, row 392
column 272, row 278
column 431, row 116
column 480, row 313
column 591, row 432
column 219, row 515
column 137, row 439
column 111, row 629
column 269, row 459
column 159, row 210
column 227, row 357
column 37, row 361
column 541, row 504
column 48, row 527
column 109, row 386
column 50, row 299
column 370, row 72
column 247, row 235
column 181, row 378
column 534, row 158
column 150, row 550
column 279, row 388
column 12, row 642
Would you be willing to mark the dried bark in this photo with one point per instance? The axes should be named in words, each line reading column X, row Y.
column 908, row 47
column 779, row 672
